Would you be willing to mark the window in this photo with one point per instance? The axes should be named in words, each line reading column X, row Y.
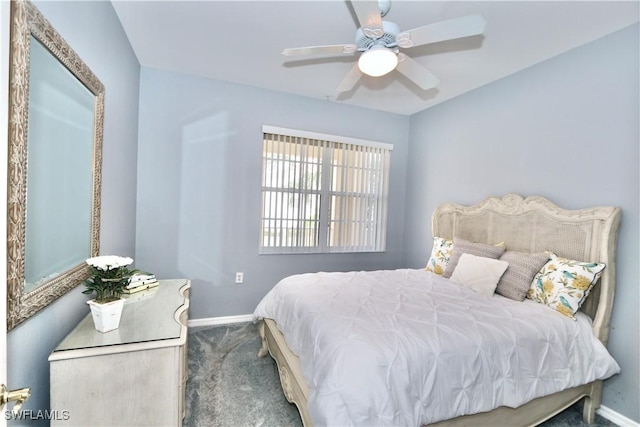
column 322, row 193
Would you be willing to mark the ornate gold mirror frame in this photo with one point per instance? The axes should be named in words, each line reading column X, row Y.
column 27, row 23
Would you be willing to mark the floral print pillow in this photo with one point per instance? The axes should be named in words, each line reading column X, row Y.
column 439, row 255
column 564, row 284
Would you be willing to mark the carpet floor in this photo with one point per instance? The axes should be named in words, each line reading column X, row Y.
column 230, row 386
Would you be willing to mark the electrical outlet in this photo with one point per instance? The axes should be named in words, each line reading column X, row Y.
column 239, row 277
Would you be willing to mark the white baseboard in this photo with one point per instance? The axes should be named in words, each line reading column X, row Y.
column 224, row 320
column 616, row 417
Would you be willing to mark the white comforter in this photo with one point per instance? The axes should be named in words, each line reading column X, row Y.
column 406, row 347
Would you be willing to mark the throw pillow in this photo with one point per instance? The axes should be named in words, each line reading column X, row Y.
column 439, row 255
column 564, row 284
column 478, row 273
column 461, row 246
column 516, row 281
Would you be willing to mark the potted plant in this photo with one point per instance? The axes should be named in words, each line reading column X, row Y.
column 109, row 278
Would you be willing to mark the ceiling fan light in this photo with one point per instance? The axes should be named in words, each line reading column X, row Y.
column 377, row 61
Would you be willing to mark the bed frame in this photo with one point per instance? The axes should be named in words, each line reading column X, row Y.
column 531, row 224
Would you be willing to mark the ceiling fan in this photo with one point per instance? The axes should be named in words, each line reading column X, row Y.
column 379, row 44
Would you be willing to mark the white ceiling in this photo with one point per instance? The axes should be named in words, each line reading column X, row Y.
column 241, row 42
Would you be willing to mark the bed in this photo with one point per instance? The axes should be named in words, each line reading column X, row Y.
column 420, row 301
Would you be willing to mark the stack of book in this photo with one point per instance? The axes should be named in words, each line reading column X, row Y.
column 140, row 282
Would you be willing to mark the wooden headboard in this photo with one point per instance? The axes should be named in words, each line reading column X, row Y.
column 534, row 224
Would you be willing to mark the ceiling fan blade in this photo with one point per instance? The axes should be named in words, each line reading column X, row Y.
column 465, row 26
column 335, row 49
column 350, row 81
column 368, row 13
column 416, row 72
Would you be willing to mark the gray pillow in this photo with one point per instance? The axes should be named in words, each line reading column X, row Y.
column 516, row 281
column 461, row 246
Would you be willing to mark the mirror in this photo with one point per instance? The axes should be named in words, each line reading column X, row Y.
column 56, row 108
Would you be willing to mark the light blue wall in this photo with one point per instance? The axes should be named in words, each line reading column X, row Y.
column 566, row 129
column 93, row 30
column 199, row 176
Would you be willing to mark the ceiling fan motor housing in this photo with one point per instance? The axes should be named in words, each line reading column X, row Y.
column 366, row 38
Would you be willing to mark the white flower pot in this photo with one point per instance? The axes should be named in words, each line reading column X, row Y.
column 106, row 317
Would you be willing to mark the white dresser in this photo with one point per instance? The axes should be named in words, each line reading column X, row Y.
column 134, row 375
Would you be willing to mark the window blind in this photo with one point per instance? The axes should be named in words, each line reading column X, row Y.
column 321, row 195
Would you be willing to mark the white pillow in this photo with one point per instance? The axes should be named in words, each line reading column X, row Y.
column 479, row 274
